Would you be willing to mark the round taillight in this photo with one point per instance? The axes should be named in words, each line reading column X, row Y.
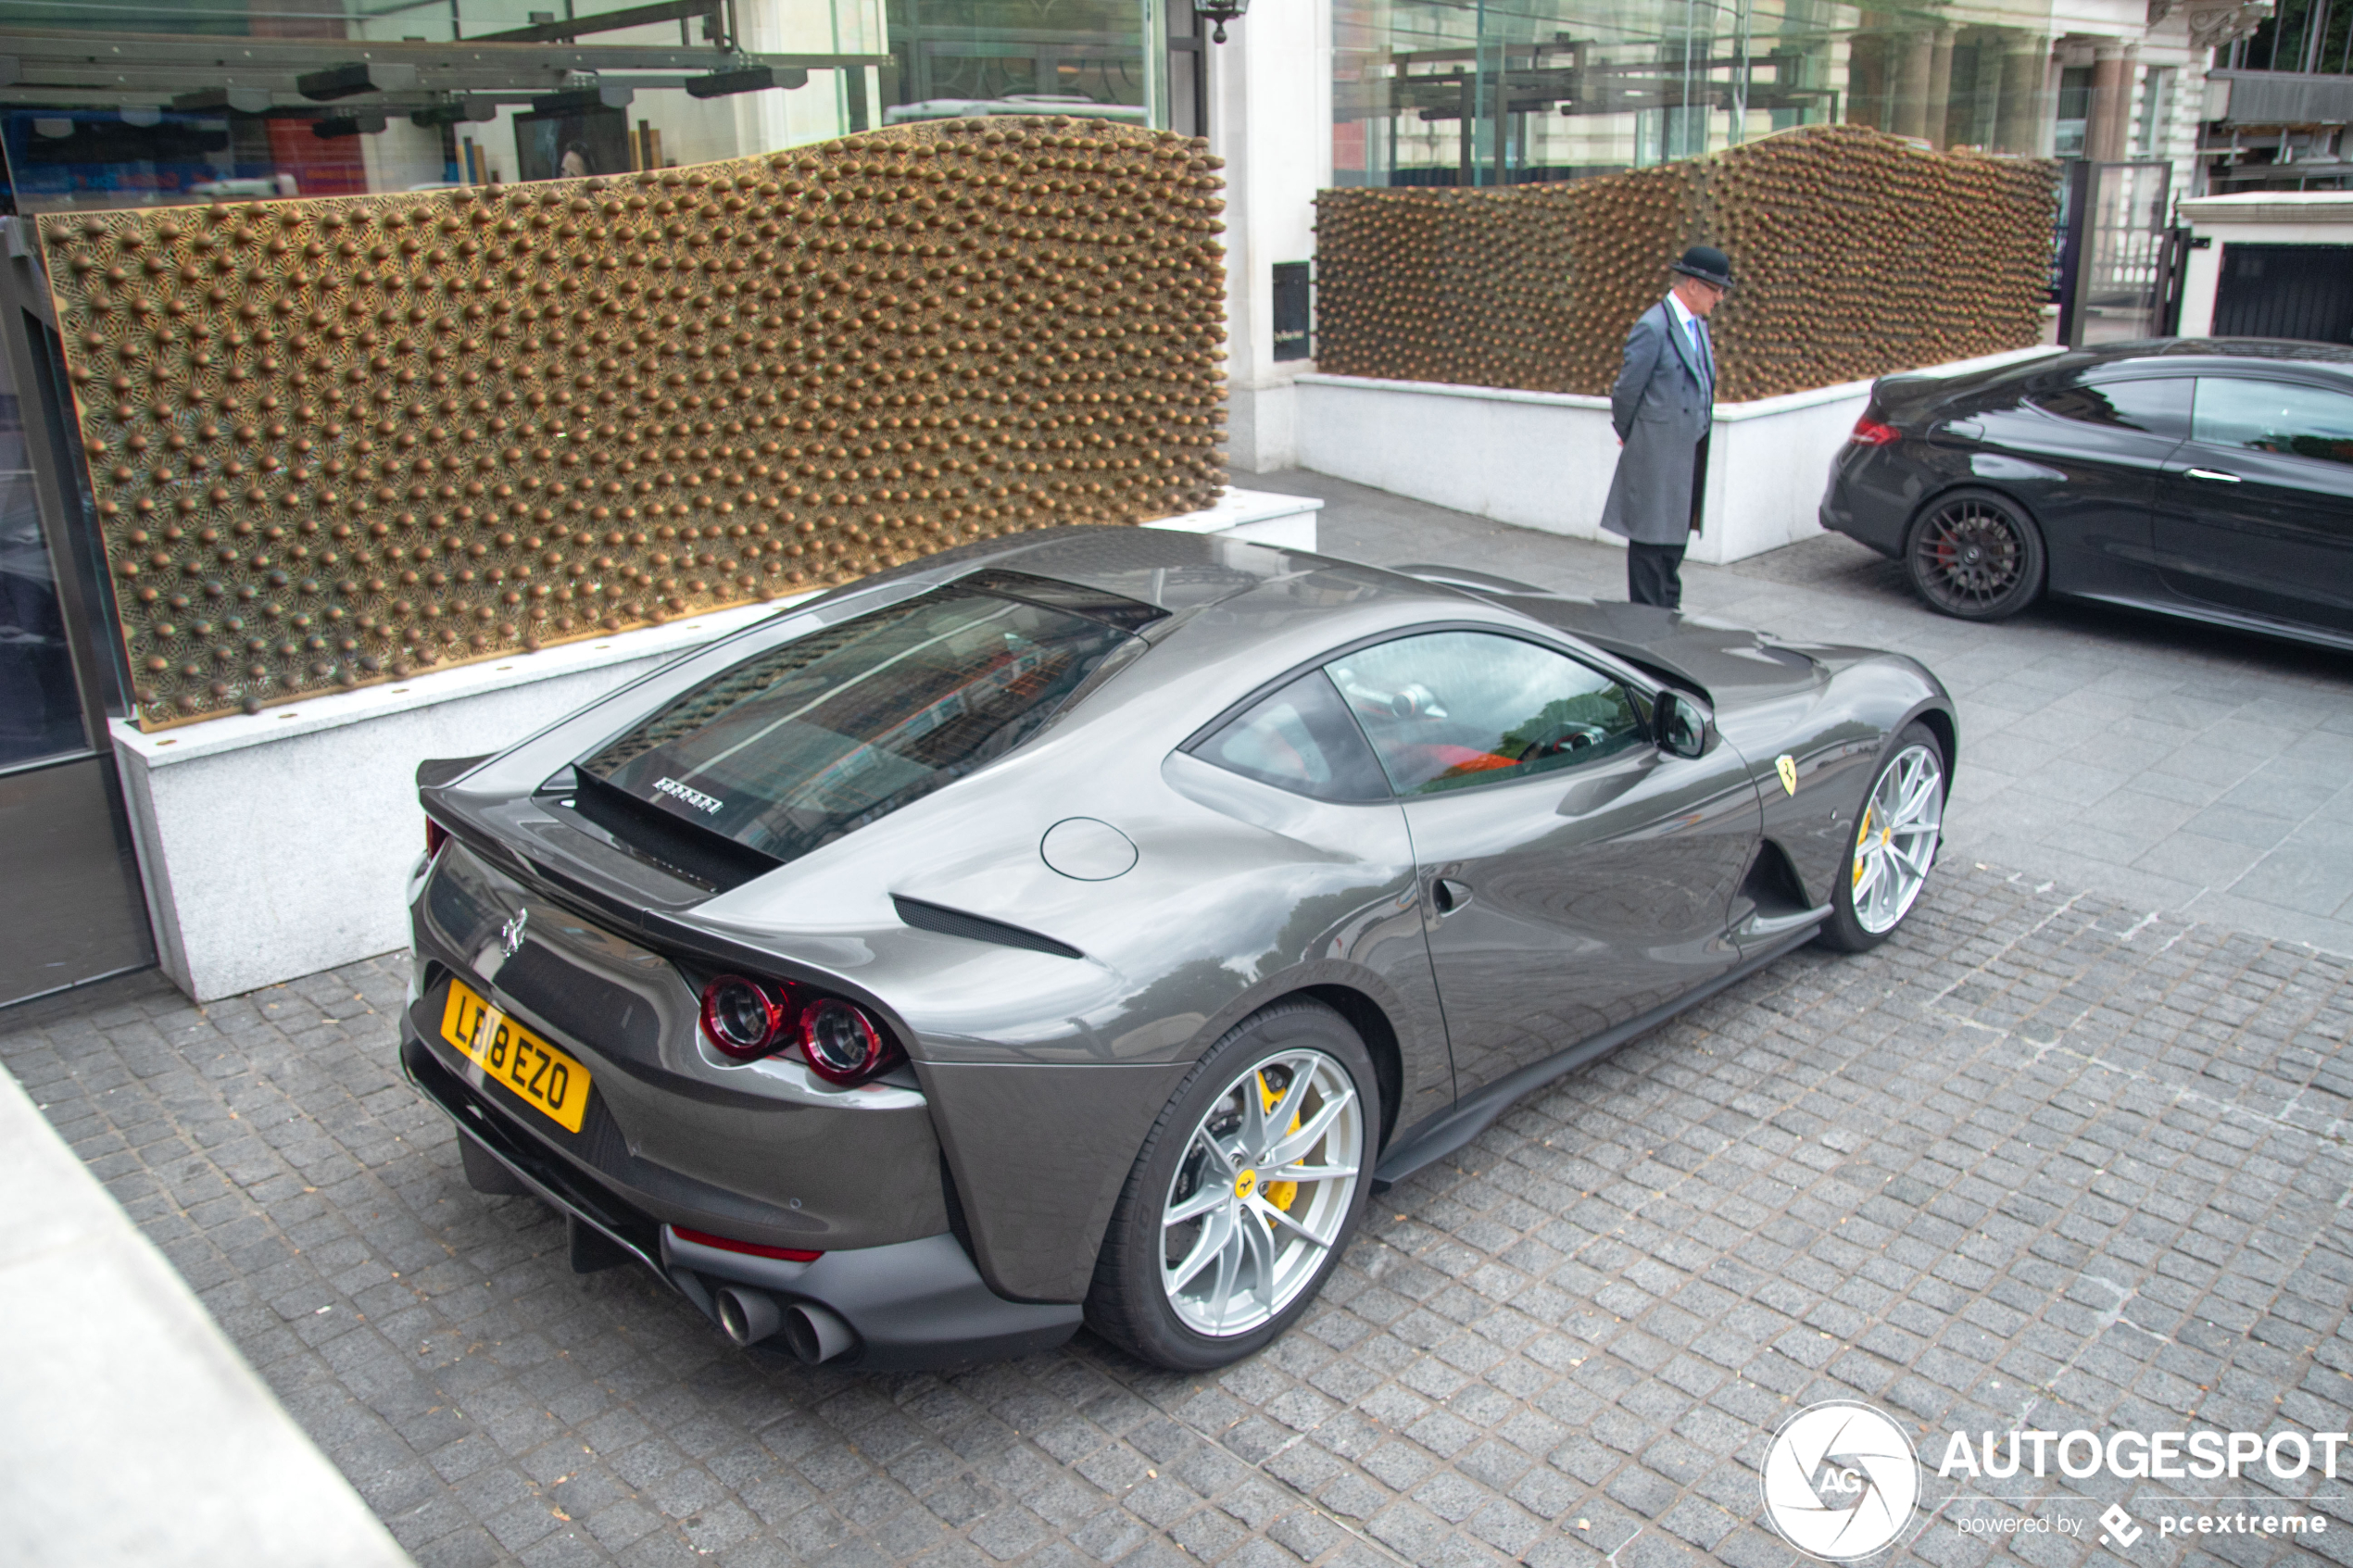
column 840, row 1041
column 743, row 1018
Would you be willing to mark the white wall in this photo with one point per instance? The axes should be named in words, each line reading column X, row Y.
column 274, row 844
column 1543, row 459
column 1270, row 118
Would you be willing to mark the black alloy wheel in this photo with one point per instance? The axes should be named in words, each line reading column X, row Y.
column 1975, row 554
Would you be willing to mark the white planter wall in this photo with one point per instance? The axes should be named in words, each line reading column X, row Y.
column 1543, row 459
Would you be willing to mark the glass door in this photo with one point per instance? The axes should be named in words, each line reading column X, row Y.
column 2120, row 280
column 74, row 909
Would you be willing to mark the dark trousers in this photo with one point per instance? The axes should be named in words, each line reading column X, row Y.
column 1655, row 575
column 1654, row 572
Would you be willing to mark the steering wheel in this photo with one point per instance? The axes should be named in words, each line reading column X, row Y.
column 1564, row 738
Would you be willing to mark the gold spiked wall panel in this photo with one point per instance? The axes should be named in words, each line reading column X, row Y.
column 1856, row 255
column 339, row 441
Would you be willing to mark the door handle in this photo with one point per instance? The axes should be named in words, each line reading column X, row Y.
column 1449, row 895
column 2216, row 475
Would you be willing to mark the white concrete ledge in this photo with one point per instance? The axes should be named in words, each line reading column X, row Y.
column 1259, row 516
column 1543, row 459
column 334, row 710
column 131, row 1433
column 275, row 843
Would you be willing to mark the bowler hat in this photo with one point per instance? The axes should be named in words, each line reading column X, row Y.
column 1708, row 264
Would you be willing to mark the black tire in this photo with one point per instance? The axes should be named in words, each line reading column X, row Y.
column 1975, row 554
column 1846, row 931
column 1126, row 1303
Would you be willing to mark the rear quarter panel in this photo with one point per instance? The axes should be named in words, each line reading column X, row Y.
column 1045, row 1073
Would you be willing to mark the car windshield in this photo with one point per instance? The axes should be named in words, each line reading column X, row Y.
column 814, row 739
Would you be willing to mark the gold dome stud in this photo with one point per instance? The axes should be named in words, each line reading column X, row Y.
column 423, row 455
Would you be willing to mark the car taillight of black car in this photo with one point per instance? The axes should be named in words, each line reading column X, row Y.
column 1872, row 431
column 841, row 1042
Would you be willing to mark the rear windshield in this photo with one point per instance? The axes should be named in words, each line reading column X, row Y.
column 791, row 749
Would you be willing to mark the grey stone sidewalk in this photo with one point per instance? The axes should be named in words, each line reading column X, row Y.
column 2042, row 1160
column 2173, row 766
column 132, row 1434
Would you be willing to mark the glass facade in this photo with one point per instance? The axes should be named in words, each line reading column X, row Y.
column 40, row 705
column 1495, row 93
column 212, row 100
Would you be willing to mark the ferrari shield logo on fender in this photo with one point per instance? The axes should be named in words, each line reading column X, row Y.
column 1786, row 766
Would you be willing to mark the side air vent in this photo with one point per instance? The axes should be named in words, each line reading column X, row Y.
column 956, row 922
column 1772, row 883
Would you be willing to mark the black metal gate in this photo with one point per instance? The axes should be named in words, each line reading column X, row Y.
column 2286, row 291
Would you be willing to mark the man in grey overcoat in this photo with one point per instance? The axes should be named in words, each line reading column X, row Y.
column 1663, row 406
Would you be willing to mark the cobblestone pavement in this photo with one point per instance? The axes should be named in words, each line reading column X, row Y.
column 2173, row 766
column 2040, row 1162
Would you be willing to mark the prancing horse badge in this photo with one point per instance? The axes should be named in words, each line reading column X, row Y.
column 1786, row 766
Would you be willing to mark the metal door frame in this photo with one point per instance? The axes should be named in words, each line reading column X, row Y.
column 85, row 602
column 2079, row 251
column 28, row 325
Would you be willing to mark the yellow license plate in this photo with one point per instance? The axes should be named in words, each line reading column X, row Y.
column 551, row 1080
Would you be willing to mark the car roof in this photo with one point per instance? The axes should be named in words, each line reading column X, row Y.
column 2179, row 353
column 1180, row 571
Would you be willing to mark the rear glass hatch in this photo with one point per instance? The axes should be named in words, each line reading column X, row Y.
column 796, row 746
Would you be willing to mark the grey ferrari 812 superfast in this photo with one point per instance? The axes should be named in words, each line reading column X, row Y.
column 1081, row 925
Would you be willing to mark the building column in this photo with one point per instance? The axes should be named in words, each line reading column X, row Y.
column 1940, row 88
column 1270, row 118
column 2024, row 124
column 1915, row 61
column 1866, row 78
column 2108, row 133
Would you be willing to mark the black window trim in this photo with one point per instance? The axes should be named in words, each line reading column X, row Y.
column 1577, row 652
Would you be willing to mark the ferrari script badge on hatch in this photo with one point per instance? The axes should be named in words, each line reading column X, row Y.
column 1786, row 766
column 510, row 933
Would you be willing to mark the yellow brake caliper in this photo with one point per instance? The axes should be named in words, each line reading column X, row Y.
column 1279, row 1194
column 1861, row 836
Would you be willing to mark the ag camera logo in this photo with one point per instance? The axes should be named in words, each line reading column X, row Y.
column 1841, row 1481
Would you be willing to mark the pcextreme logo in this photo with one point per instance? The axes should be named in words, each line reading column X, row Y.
column 1841, row 1481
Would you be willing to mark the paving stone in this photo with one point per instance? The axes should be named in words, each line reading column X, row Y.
column 2042, row 1160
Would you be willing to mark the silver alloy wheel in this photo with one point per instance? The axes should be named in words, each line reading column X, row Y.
column 1261, row 1193
column 1895, row 843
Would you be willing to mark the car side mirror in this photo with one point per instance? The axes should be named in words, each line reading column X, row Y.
column 1683, row 726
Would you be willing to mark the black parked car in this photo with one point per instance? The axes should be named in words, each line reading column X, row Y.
column 2203, row 477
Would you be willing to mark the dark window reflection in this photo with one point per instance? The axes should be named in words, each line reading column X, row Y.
column 40, row 711
column 2159, row 407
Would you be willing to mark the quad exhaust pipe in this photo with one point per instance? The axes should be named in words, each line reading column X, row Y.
column 811, row 1331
